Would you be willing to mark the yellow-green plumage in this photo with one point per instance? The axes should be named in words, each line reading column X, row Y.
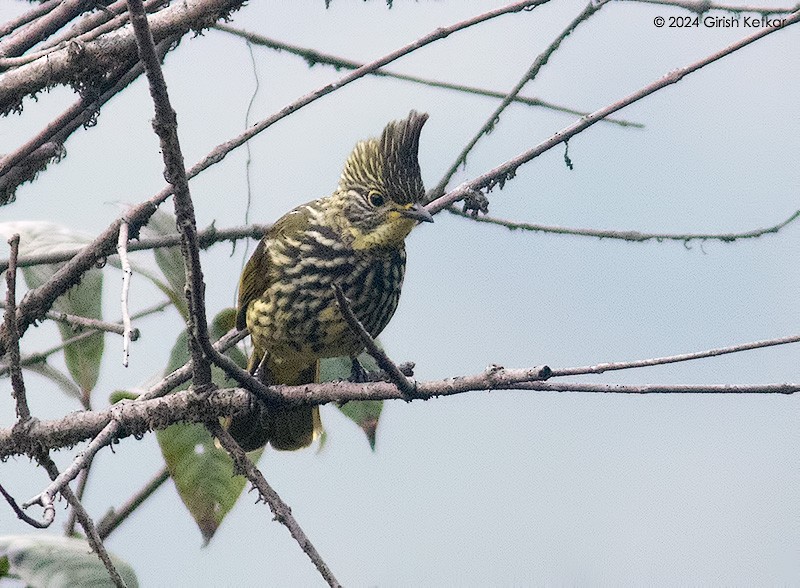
column 354, row 238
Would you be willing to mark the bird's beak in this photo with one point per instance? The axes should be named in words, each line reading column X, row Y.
column 418, row 212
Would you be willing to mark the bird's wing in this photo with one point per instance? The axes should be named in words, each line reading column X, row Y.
column 256, row 276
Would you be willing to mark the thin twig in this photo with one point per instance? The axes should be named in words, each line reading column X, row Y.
column 82, row 322
column 626, row 365
column 281, row 510
column 21, row 513
column 659, row 388
column 83, row 518
column 116, row 516
column 313, row 57
column 529, row 76
column 502, row 173
column 384, row 362
column 165, row 125
column 42, row 356
column 206, row 237
column 12, row 334
column 83, row 479
column 122, row 251
column 635, row 236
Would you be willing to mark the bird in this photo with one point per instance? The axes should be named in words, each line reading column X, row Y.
column 353, row 238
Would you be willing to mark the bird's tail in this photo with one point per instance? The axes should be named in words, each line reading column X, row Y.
column 287, row 428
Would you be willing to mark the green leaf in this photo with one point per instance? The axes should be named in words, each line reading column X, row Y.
column 365, row 413
column 118, row 395
column 54, row 562
column 84, row 299
column 203, row 472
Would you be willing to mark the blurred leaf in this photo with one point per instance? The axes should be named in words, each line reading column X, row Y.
column 203, row 472
column 169, row 259
column 365, row 413
column 53, row 562
column 84, row 299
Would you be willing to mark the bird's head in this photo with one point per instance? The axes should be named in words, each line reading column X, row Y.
column 381, row 186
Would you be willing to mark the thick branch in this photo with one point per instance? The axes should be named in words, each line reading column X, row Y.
column 77, row 59
column 166, row 127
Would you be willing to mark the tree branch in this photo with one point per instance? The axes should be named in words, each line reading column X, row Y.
column 538, row 63
column 506, row 171
column 12, row 335
column 281, row 510
column 206, row 238
column 166, row 127
column 634, row 236
column 384, row 362
column 83, row 518
column 76, row 61
column 115, row 517
column 313, row 57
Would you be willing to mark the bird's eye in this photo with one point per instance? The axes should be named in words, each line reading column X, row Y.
column 375, row 199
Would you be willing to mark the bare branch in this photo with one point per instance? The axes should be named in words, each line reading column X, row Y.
column 281, row 510
column 83, row 518
column 83, row 479
column 206, row 238
column 384, row 362
column 48, row 519
column 12, row 334
column 626, row 365
column 105, row 426
column 115, row 517
column 140, row 416
column 500, row 174
column 313, row 57
column 122, row 251
column 529, row 76
column 80, row 59
column 82, row 322
column 166, row 127
column 43, row 27
column 42, row 356
column 22, row 164
column 26, row 17
column 635, row 236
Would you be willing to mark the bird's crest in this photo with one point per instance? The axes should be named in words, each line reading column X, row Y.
column 388, row 165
